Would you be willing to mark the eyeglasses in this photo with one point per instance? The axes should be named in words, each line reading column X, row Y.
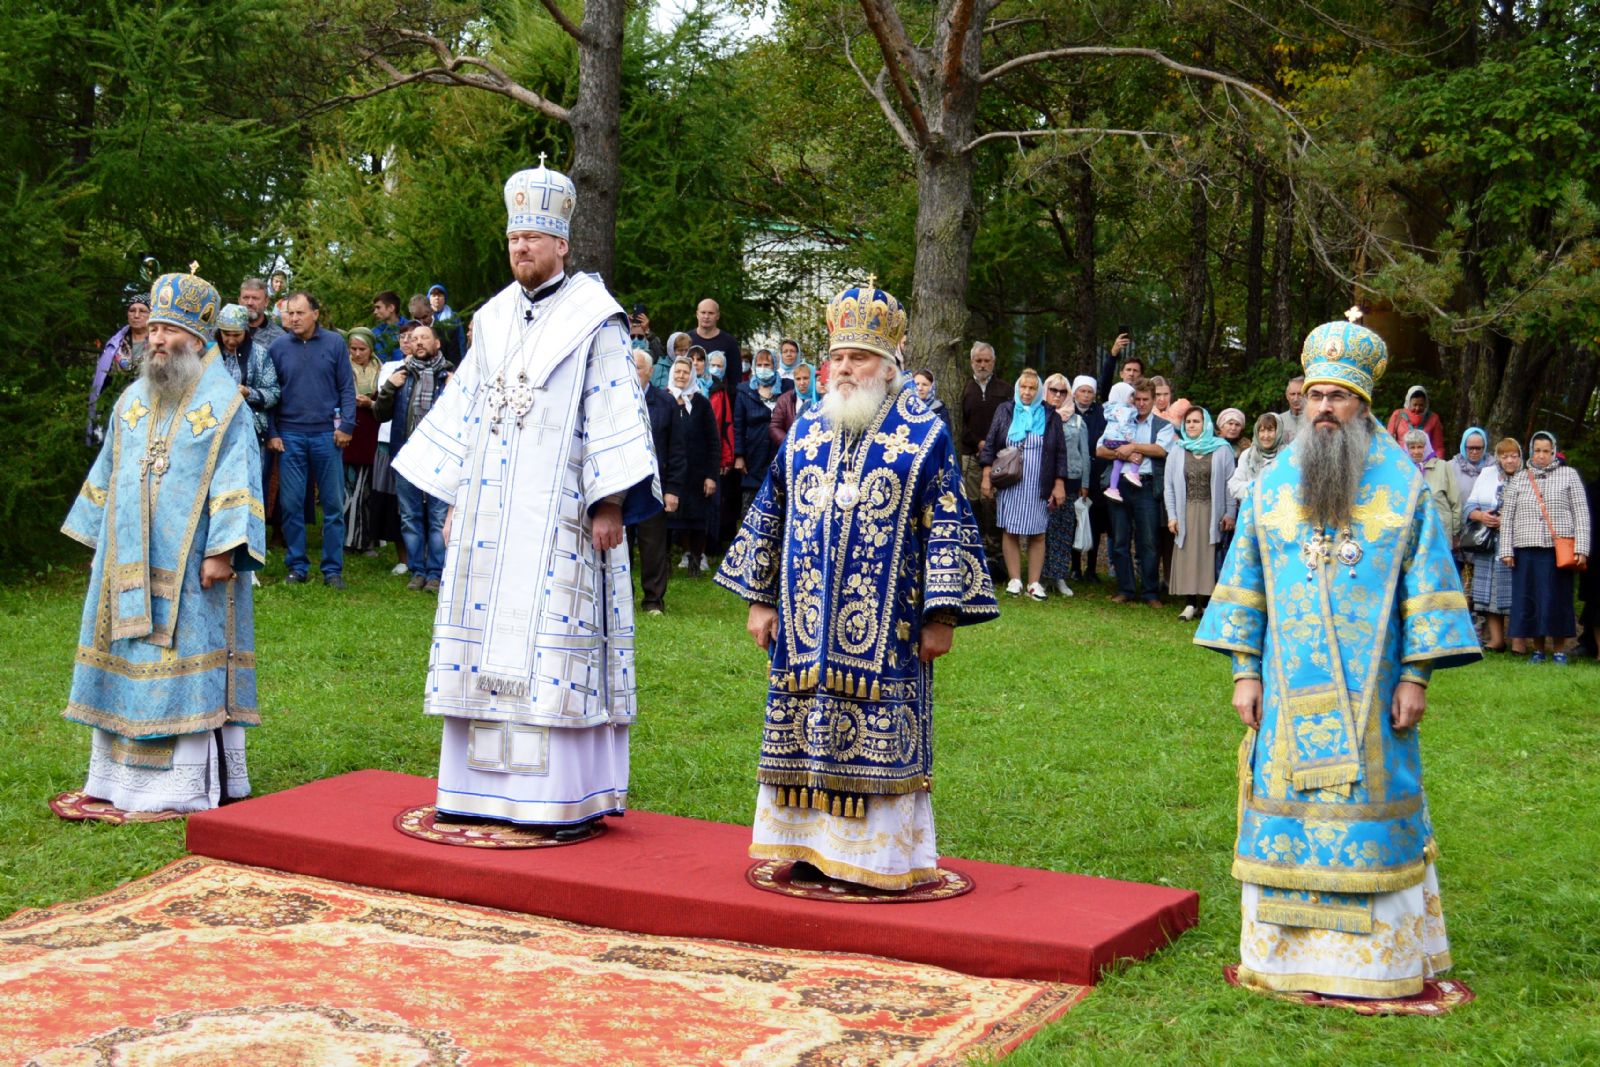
column 1474, row 448
column 1335, row 397
column 1054, row 389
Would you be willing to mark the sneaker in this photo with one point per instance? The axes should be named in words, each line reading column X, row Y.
column 1188, row 613
column 1014, row 587
column 1537, row 657
column 400, row 568
column 1133, row 479
column 654, row 611
column 255, row 580
column 294, row 579
column 1114, row 494
column 417, row 582
column 432, row 586
column 1559, row 658
column 334, row 581
column 683, row 564
column 1120, row 598
column 1036, row 591
column 1062, row 587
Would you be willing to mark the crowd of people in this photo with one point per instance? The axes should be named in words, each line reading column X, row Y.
column 1054, row 472
column 1055, row 468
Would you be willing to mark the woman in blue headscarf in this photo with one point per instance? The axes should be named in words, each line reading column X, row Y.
column 1200, row 509
column 1023, row 509
column 796, row 402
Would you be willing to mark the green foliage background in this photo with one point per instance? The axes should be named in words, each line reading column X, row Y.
column 1451, row 171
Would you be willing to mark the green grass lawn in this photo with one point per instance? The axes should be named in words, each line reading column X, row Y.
column 1072, row 735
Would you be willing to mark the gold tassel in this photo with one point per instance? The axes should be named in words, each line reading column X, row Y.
column 877, row 691
column 819, row 801
column 851, row 809
column 816, row 669
column 832, row 685
column 837, row 807
column 805, row 798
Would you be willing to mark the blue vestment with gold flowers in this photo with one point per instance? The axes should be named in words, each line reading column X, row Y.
column 857, row 542
column 1331, row 800
column 158, row 656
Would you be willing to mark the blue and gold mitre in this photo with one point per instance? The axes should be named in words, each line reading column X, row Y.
column 867, row 317
column 1345, row 354
column 186, row 301
column 540, row 200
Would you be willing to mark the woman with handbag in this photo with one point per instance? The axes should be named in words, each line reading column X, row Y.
column 1544, row 538
column 1024, row 472
column 1480, row 545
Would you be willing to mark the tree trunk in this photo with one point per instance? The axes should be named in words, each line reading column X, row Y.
column 596, row 148
column 1254, row 272
column 946, row 221
column 1083, row 209
column 1191, row 334
column 1280, row 321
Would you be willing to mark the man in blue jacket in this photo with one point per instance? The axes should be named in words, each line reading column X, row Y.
column 315, row 418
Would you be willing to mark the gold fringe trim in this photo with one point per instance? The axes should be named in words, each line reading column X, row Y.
column 1288, row 876
column 1332, row 777
column 845, row 872
column 842, row 806
column 1333, row 985
column 840, row 783
column 1344, row 918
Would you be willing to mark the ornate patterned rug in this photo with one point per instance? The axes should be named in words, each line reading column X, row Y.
column 78, row 807
column 777, row 876
column 426, row 824
column 1438, row 996
column 208, row 963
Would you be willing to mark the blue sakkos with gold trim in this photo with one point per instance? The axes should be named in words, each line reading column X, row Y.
column 1331, row 621
column 158, row 656
column 856, row 542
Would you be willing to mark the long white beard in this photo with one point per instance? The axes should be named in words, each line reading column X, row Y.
column 855, row 412
column 171, row 378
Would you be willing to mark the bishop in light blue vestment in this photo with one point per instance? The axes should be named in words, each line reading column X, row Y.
column 1335, row 847
column 165, row 669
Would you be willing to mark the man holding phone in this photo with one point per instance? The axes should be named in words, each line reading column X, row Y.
column 640, row 336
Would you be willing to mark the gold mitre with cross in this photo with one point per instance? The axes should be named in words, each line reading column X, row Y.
column 1345, row 353
column 865, row 316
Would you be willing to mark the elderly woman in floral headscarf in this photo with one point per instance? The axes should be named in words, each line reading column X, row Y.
column 1544, row 502
column 360, row 527
column 1472, row 457
column 1440, row 477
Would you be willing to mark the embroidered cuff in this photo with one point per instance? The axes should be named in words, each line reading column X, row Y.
column 1246, row 665
column 943, row 616
column 1421, row 673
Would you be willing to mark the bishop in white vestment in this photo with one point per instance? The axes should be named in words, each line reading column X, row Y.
column 541, row 445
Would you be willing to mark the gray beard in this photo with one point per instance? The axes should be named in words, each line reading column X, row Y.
column 854, row 413
column 1331, row 465
column 171, row 379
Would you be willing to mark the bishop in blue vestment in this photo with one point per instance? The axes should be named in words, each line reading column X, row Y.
column 165, row 667
column 1337, row 601
column 859, row 557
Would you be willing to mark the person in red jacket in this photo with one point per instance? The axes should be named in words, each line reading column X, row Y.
column 1416, row 416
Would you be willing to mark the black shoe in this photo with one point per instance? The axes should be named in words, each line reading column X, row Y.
column 333, row 581
column 294, row 579
column 580, row 831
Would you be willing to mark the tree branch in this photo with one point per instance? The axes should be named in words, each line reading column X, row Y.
column 1162, row 58
column 1006, row 24
column 565, row 23
column 447, row 71
column 1063, row 131
column 954, row 43
column 898, row 57
column 875, row 90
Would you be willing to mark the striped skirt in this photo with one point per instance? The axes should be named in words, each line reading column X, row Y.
column 1491, row 584
column 1018, row 508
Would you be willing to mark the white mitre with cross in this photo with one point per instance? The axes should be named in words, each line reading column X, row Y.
column 540, row 200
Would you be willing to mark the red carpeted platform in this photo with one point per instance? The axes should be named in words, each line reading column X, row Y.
column 660, row 874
